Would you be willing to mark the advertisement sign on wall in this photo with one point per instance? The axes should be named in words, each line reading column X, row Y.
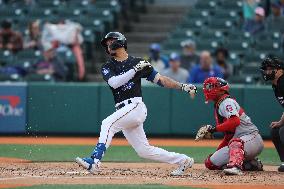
column 13, row 107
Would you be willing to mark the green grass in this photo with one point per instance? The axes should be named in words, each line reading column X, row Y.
column 150, row 186
column 114, row 153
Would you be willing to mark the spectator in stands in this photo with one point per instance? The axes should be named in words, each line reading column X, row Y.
column 221, row 56
column 257, row 25
column 33, row 39
column 204, row 69
column 69, row 34
column 189, row 56
column 281, row 2
column 157, row 61
column 249, row 7
column 175, row 71
column 9, row 39
column 276, row 18
column 50, row 64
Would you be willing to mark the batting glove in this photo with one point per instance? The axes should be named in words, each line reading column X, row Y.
column 189, row 88
column 142, row 64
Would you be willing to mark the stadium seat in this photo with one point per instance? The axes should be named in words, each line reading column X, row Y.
column 67, row 13
column 237, row 46
column 49, row 3
column 78, row 4
column 185, row 33
column 253, row 57
column 13, row 77
column 192, row 24
column 198, row 14
column 231, row 4
column 238, row 35
column 6, row 57
column 10, row 13
column 28, row 54
column 268, row 35
column 40, row 12
column 251, row 69
column 37, row 77
column 112, row 5
column 240, row 79
column 209, row 44
column 211, row 35
column 267, row 46
column 220, row 14
column 206, row 4
column 224, row 25
column 105, row 17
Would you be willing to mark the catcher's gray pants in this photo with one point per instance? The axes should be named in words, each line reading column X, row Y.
column 129, row 120
column 253, row 146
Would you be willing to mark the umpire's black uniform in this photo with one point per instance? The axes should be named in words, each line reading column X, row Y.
column 278, row 132
column 274, row 65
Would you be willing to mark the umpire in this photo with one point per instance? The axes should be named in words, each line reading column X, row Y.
column 272, row 69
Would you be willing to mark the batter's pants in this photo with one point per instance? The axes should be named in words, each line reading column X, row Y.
column 129, row 120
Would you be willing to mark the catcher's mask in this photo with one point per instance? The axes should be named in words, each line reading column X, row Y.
column 213, row 87
column 269, row 67
column 119, row 42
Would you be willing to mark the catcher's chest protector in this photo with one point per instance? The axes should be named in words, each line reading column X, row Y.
column 218, row 118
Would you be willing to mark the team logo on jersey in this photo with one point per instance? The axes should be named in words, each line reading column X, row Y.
column 229, row 108
column 105, row 71
column 128, row 86
column 281, row 100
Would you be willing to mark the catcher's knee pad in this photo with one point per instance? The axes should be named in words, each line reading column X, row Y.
column 99, row 151
column 209, row 165
column 236, row 153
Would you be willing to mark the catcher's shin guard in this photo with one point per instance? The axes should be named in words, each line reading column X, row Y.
column 99, row 151
column 236, row 153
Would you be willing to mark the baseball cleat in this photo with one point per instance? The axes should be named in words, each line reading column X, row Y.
column 89, row 164
column 253, row 165
column 233, row 171
column 181, row 169
column 281, row 168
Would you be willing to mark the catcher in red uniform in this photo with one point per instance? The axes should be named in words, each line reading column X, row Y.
column 242, row 141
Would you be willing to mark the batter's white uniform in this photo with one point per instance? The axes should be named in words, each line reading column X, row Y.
column 129, row 120
column 130, row 114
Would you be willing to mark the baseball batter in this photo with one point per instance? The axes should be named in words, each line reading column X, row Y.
column 123, row 74
column 242, row 141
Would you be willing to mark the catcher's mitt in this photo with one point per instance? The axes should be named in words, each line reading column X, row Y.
column 205, row 132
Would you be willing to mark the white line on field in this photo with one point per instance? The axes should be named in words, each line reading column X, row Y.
column 49, row 177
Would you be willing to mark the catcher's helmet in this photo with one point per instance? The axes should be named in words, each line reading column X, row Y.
column 120, row 41
column 273, row 63
column 213, row 87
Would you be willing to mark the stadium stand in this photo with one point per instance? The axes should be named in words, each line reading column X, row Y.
column 213, row 24
column 210, row 23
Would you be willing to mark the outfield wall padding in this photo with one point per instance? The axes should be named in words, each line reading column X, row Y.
column 76, row 108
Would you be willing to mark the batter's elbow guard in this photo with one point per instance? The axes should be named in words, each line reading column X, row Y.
column 209, row 165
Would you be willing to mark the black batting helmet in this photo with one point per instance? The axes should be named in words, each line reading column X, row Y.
column 120, row 41
column 271, row 62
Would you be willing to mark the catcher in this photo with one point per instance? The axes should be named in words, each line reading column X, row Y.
column 242, row 141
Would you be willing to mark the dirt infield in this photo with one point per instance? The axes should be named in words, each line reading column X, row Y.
column 133, row 173
column 115, row 141
column 18, row 172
